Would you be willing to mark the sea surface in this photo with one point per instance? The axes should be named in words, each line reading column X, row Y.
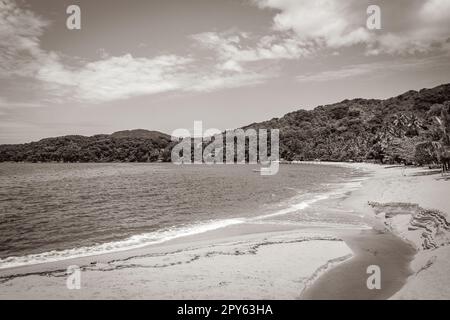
column 55, row 211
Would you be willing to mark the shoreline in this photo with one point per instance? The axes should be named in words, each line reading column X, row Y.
column 246, row 261
column 412, row 205
column 347, row 281
column 213, row 265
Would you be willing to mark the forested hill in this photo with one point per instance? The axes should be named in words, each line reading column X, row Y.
column 123, row 146
column 392, row 130
column 362, row 129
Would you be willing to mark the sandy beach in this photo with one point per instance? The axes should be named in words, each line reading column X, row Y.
column 410, row 204
column 241, row 262
column 408, row 238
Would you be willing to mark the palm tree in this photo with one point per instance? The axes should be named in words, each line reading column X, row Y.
column 443, row 146
column 414, row 124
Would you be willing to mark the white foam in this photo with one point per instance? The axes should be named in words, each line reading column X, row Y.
column 133, row 242
column 295, row 207
column 145, row 239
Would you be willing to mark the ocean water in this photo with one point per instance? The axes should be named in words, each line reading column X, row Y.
column 54, row 211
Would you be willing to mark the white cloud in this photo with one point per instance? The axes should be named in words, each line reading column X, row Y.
column 425, row 31
column 20, row 51
column 122, row 77
column 7, row 104
column 374, row 69
column 302, row 28
column 111, row 77
column 217, row 81
column 343, row 73
column 332, row 23
column 242, row 53
column 417, row 25
column 231, row 65
column 115, row 77
column 235, row 47
column 436, row 10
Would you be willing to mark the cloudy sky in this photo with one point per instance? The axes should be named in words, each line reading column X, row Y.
column 160, row 65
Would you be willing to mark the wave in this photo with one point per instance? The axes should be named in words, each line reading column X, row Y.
column 338, row 190
column 133, row 242
column 160, row 236
column 295, row 207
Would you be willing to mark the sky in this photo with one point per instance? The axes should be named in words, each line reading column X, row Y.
column 161, row 65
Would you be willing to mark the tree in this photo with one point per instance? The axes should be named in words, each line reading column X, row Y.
column 425, row 153
column 443, row 146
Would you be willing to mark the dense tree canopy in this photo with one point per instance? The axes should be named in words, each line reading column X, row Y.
column 123, row 146
column 360, row 129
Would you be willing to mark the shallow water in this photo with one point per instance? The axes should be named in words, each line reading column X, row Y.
column 50, row 211
column 348, row 280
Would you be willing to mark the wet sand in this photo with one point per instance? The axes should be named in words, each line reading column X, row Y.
column 348, row 280
column 409, row 212
column 237, row 263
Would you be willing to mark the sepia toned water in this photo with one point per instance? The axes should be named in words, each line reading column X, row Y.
column 53, row 211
